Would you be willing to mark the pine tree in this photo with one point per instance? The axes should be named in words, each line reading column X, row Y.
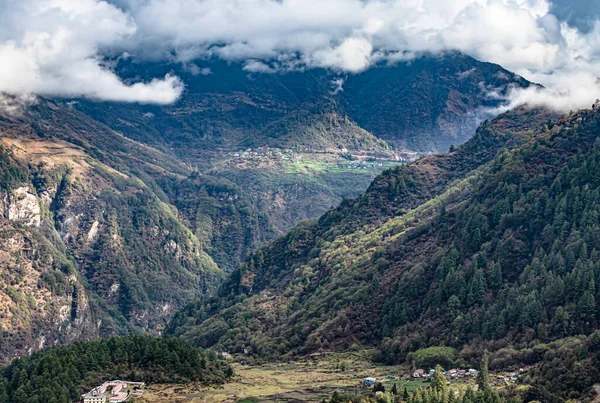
column 495, row 278
column 483, row 379
column 417, row 396
column 477, row 288
column 586, row 308
column 405, row 394
column 395, row 389
column 439, row 380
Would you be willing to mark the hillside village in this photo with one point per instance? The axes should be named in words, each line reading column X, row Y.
column 114, row 392
column 343, row 159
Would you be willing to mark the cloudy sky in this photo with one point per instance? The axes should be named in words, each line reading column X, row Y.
column 60, row 47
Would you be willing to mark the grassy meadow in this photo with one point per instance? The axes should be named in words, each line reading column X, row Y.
column 302, row 381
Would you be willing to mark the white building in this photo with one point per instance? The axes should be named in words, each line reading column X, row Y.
column 94, row 397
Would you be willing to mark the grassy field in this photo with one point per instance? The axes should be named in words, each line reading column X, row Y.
column 305, row 381
column 333, row 167
column 316, row 166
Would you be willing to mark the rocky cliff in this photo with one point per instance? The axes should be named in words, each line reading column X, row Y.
column 92, row 241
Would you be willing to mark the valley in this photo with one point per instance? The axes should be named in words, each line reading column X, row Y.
column 291, row 186
column 320, row 242
column 436, row 105
column 303, row 381
column 435, row 253
column 117, row 215
column 332, row 201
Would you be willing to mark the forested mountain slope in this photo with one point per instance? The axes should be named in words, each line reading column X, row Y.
column 492, row 245
column 425, row 104
column 101, row 235
column 114, row 216
column 311, row 129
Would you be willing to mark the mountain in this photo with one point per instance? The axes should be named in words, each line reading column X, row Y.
column 114, row 216
column 425, row 105
column 493, row 245
column 102, row 235
column 295, row 141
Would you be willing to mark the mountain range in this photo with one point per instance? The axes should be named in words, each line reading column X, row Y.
column 114, row 216
column 389, row 113
column 493, row 245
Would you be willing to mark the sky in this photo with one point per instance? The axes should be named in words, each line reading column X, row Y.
column 66, row 48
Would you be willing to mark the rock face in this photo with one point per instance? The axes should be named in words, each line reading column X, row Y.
column 78, row 245
column 87, row 247
column 23, row 207
column 40, row 306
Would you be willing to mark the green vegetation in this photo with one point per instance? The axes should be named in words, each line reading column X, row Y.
column 483, row 378
column 12, row 173
column 289, row 198
column 425, row 104
column 437, row 391
column 566, row 369
column 432, row 356
column 61, row 375
column 129, row 234
column 493, row 246
column 338, row 168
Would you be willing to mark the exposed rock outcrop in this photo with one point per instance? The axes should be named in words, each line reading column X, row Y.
column 22, row 206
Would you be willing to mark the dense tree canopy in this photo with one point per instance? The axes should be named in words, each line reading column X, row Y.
column 60, row 375
column 493, row 246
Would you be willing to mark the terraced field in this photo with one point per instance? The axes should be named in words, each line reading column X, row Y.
column 305, row 381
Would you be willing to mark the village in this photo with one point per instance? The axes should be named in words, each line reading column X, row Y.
column 451, row 374
column 114, row 392
column 317, row 160
column 426, row 376
column 318, row 376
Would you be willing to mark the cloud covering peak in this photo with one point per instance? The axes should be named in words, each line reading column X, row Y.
column 59, row 47
column 55, row 48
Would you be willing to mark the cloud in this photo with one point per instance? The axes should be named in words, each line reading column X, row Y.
column 352, row 55
column 257, row 66
column 16, row 104
column 55, row 48
column 61, row 47
column 542, row 40
column 338, row 85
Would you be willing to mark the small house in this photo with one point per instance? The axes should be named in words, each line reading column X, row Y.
column 94, row 397
column 418, row 373
column 369, row 381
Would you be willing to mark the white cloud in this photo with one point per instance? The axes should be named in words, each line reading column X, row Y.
column 16, row 104
column 352, row 55
column 338, row 85
column 256, row 66
column 61, row 42
column 54, row 48
column 351, row 35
